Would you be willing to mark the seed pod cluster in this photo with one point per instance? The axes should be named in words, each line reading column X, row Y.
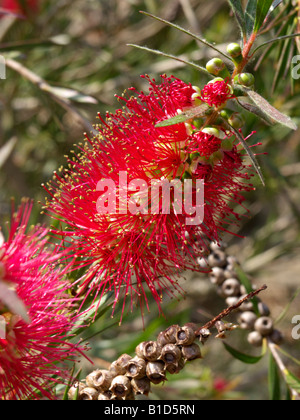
column 130, row 376
column 255, row 319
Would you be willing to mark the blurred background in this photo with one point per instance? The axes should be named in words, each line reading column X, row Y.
column 65, row 62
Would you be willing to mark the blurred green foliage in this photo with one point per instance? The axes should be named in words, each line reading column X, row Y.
column 81, row 46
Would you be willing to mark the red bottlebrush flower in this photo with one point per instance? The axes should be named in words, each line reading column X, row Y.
column 216, row 93
column 16, row 6
column 35, row 346
column 126, row 251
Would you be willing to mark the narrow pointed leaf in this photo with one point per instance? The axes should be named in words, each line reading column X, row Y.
column 238, row 11
column 292, row 381
column 173, row 57
column 250, row 15
column 256, row 111
column 187, row 32
column 249, row 152
column 262, row 11
column 274, row 380
column 196, row 112
column 275, row 4
column 274, row 40
column 245, row 358
column 269, row 110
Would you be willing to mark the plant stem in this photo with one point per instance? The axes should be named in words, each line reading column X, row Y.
column 246, row 55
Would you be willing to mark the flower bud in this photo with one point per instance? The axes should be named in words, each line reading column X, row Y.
column 236, row 121
column 191, row 352
column 185, row 336
column 136, row 368
column 227, row 145
column 149, row 350
column 245, row 79
column 215, row 66
column 141, row 386
column 211, row 131
column 88, row 394
column 100, row 379
column 234, row 50
column 226, row 113
column 120, row 387
column 156, row 372
column 170, row 354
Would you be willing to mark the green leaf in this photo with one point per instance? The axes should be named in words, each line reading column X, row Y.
column 256, row 111
column 262, row 10
column 250, row 15
column 274, row 380
column 245, row 358
column 187, row 32
column 248, row 151
column 238, row 11
column 292, row 381
column 173, row 57
column 274, row 40
column 196, row 112
column 269, row 110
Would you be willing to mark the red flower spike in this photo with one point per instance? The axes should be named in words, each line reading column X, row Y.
column 33, row 353
column 16, row 6
column 130, row 253
column 216, row 93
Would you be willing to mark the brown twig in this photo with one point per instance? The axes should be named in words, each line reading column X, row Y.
column 228, row 311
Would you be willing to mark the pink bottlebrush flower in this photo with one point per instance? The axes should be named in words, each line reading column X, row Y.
column 129, row 253
column 216, row 93
column 35, row 346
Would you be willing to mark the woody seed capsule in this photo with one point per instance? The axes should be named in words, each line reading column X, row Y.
column 156, row 372
column 141, row 386
column 77, row 388
column 264, row 326
column 105, row 396
column 191, row 352
column 170, row 354
column 120, row 386
column 170, row 333
column 136, row 368
column 88, row 394
column 231, row 287
column 217, row 259
column 118, row 367
column 247, row 320
column 174, row 368
column 149, row 350
column 100, row 379
column 185, row 336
